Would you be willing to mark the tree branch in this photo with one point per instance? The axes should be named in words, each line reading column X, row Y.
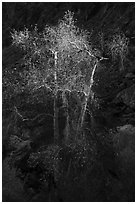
column 30, row 119
column 87, row 50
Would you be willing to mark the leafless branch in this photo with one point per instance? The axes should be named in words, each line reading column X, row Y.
column 31, row 119
column 19, row 114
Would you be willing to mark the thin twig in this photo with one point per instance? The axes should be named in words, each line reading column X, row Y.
column 44, row 86
column 16, row 110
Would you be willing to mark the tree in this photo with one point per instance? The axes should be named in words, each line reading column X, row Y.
column 118, row 47
column 60, row 59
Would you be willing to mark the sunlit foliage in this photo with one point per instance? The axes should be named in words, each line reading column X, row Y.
column 72, row 47
column 118, row 47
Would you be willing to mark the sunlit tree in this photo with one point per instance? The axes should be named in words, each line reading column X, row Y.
column 118, row 48
column 59, row 59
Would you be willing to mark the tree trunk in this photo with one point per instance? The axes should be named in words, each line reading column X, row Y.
column 84, row 108
column 56, row 128
column 65, row 104
column 122, row 65
column 67, row 124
